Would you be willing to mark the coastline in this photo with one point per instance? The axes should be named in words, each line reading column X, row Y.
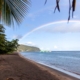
column 17, row 67
column 61, row 74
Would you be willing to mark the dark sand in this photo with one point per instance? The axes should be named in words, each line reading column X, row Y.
column 19, row 68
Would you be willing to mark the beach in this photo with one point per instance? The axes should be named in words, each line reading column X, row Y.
column 17, row 67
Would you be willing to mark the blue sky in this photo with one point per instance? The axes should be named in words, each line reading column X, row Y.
column 59, row 36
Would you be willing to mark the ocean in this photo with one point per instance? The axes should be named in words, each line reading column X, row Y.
column 65, row 61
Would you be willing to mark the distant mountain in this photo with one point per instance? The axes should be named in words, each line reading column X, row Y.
column 28, row 48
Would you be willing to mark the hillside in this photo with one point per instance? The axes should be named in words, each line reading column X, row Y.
column 27, row 48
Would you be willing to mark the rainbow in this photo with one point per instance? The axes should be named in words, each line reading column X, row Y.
column 56, row 22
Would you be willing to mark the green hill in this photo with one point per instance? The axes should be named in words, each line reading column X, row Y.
column 27, row 48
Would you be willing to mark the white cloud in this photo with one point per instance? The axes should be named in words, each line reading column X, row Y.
column 30, row 43
column 17, row 37
column 55, row 47
column 74, row 27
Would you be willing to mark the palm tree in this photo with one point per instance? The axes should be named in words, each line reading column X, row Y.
column 11, row 10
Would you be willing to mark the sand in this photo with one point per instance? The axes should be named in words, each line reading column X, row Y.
column 18, row 68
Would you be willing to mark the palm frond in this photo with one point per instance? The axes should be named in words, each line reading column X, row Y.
column 71, row 7
column 11, row 10
column 45, row 2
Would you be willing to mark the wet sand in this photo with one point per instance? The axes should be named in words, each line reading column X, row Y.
column 16, row 67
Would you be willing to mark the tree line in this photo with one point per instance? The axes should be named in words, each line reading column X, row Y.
column 5, row 45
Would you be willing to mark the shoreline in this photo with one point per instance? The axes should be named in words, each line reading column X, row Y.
column 19, row 68
column 52, row 69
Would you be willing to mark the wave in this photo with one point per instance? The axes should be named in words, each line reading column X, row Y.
column 68, row 57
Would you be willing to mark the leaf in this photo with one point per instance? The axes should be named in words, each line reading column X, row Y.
column 73, row 6
column 45, row 2
column 57, row 6
column 69, row 10
column 11, row 10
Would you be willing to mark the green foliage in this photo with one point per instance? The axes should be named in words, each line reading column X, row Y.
column 2, row 39
column 11, row 10
column 5, row 45
column 11, row 45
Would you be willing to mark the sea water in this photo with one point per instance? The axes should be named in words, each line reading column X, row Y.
column 68, row 61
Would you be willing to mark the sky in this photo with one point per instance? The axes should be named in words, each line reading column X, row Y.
column 47, row 30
